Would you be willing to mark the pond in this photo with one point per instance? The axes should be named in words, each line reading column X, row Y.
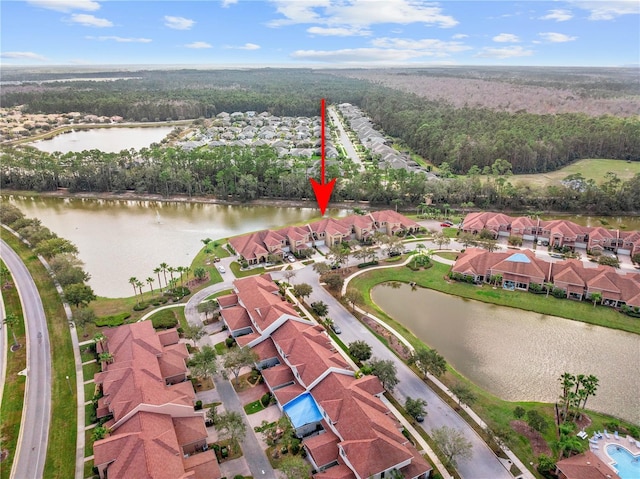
column 518, row 355
column 118, row 240
column 110, row 140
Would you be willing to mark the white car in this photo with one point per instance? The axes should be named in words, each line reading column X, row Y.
column 221, row 269
column 291, row 258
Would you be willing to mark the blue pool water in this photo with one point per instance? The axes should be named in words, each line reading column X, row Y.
column 627, row 465
column 302, row 410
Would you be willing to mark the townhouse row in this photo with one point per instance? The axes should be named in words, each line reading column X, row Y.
column 346, row 430
column 256, row 247
column 148, row 405
column 557, row 233
column 577, row 279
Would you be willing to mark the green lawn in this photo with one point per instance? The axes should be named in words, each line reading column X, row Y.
column 89, row 411
column 62, row 432
column 594, row 169
column 88, row 370
column 13, row 393
column 450, row 232
column 218, row 294
column 87, row 354
column 445, row 255
column 253, row 407
column 494, row 411
column 433, row 279
column 88, row 469
column 235, row 267
column 221, row 348
column 88, row 442
column 89, row 390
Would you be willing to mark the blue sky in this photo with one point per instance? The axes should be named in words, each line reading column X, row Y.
column 320, row 33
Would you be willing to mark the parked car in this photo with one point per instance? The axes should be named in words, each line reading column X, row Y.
column 446, row 224
column 420, row 418
column 394, row 253
column 291, row 258
column 221, row 269
column 336, row 329
column 216, row 259
column 335, row 266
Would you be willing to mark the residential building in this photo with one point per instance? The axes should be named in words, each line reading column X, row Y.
column 518, row 270
column 558, row 233
column 347, row 431
column 584, row 466
column 149, row 407
column 256, row 247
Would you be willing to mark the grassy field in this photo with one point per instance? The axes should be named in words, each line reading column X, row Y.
column 590, row 169
column 13, row 393
column 62, row 433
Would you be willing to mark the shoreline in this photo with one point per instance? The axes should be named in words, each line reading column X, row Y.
column 282, row 202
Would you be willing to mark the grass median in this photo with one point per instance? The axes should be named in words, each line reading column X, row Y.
column 13, row 393
column 61, row 450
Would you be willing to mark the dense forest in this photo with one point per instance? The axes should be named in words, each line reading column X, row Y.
column 245, row 174
column 437, row 130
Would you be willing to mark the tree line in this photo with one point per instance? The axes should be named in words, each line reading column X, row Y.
column 436, row 130
column 245, row 174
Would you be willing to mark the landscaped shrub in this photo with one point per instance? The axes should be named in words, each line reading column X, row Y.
column 558, row 293
column 265, row 399
column 198, row 405
column 164, row 320
column 230, row 342
column 141, row 306
column 369, row 263
column 535, row 288
column 519, row 412
column 113, row 320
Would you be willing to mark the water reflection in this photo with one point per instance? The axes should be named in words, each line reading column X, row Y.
column 518, row 355
column 118, row 239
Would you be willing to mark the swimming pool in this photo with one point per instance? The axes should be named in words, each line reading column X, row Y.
column 302, row 410
column 627, row 465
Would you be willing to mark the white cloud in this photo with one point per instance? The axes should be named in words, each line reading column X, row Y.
column 66, row 5
column 556, row 37
column 178, row 23
column 608, row 10
column 90, row 21
column 198, row 45
column 506, row 38
column 338, row 31
column 460, row 36
column 120, row 39
column 426, row 46
column 22, row 56
column 227, row 3
column 246, row 46
column 558, row 15
column 357, row 55
column 504, row 52
column 360, row 13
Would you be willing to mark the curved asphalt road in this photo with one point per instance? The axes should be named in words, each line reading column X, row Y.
column 31, row 451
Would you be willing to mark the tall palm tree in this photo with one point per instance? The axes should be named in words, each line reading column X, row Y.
column 164, row 267
column 590, row 385
column 171, row 270
column 11, row 320
column 549, row 286
column 139, row 285
column 99, row 338
column 133, row 281
column 150, row 281
column 157, row 271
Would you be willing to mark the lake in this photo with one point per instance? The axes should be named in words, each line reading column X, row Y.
column 518, row 355
column 121, row 239
column 110, row 140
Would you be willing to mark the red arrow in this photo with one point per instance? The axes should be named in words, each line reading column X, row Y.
column 322, row 190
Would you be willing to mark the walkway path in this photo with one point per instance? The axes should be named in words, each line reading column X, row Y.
column 31, row 449
column 4, row 345
column 256, row 458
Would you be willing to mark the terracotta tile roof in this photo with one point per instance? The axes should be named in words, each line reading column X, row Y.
column 287, row 393
column 172, row 362
column 308, row 349
column 564, row 228
column 601, row 233
column 390, row 216
column 278, row 375
column 251, row 246
column 228, row 300
column 477, row 261
column 236, row 317
column 372, row 456
column 603, row 282
column 586, row 466
column 523, row 222
column 261, row 298
column 246, row 339
column 323, row 447
column 189, row 429
column 203, row 465
column 168, row 336
column 266, row 349
column 294, row 233
column 524, row 263
column 568, row 272
column 336, row 472
column 330, row 226
column 418, row 466
column 146, row 447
